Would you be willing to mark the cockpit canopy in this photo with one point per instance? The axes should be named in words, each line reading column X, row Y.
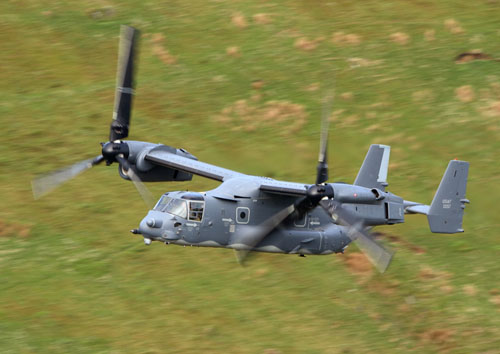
column 186, row 205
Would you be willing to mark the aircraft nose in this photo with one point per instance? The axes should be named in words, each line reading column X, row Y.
column 150, row 226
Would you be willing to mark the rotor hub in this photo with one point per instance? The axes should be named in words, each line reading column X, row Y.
column 111, row 150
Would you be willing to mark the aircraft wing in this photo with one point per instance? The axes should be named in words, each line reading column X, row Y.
column 284, row 188
column 165, row 158
column 181, row 163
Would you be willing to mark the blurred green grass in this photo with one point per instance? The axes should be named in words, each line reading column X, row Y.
column 75, row 280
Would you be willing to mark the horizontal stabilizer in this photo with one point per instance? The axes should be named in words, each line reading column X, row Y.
column 418, row 209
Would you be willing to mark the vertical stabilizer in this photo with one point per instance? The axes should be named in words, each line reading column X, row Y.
column 447, row 208
column 373, row 172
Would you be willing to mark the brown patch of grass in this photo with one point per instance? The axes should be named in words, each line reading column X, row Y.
column 400, row 38
column 372, row 128
column 465, row 93
column 396, row 239
column 261, row 271
column 430, row 35
column 271, row 351
column 347, row 96
column 239, row 20
column 349, row 120
column 352, row 38
column 245, row 115
column 427, row 273
column 446, row 289
column 422, row 95
column 382, row 288
column 404, row 307
column 313, row 87
column 452, row 26
column 305, row 44
column 257, row 84
column 335, row 116
column 290, row 33
column 262, row 19
column 105, row 12
column 492, row 109
column 495, row 300
column 356, row 62
column 469, row 289
column 371, row 114
column 495, row 87
column 256, row 97
column 8, row 229
column 159, row 50
column 343, row 38
column 357, row 263
column 233, row 52
column 437, row 336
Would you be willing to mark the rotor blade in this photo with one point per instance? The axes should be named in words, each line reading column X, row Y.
column 376, row 253
column 45, row 184
column 322, row 173
column 251, row 236
column 142, row 189
column 124, row 84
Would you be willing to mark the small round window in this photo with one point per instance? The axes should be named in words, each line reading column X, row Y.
column 242, row 215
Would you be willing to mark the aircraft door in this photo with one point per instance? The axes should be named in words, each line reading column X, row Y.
column 193, row 224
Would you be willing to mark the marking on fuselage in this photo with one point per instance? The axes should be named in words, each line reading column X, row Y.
column 227, row 219
column 232, row 228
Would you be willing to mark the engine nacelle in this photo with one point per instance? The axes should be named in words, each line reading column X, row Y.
column 149, row 172
column 345, row 193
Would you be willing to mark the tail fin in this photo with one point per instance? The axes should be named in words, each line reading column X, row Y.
column 373, row 172
column 447, row 208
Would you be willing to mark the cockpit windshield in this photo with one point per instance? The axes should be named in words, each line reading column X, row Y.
column 180, row 207
column 177, row 207
column 162, row 203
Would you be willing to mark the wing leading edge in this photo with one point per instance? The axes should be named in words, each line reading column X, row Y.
column 177, row 162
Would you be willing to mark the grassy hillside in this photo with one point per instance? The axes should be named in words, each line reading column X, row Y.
column 239, row 84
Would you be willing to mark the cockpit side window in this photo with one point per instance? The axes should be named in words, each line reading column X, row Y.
column 162, row 203
column 196, row 210
column 177, row 207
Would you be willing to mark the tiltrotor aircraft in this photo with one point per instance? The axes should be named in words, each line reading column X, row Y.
column 252, row 213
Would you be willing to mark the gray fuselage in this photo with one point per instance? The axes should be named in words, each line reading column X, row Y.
column 218, row 217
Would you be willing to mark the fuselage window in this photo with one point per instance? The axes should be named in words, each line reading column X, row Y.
column 301, row 222
column 177, row 207
column 196, row 210
column 242, row 215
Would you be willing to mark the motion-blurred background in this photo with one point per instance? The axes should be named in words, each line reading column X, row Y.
column 240, row 84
